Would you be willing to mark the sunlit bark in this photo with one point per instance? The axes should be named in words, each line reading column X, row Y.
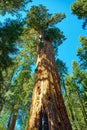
column 48, row 111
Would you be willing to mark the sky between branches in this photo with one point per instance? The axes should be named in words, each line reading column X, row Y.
column 71, row 26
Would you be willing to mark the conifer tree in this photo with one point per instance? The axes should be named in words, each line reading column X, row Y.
column 18, row 96
column 48, row 111
column 75, row 94
column 8, row 42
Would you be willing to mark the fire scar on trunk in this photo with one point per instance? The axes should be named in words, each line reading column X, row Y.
column 48, row 111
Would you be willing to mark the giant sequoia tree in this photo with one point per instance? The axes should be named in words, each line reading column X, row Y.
column 48, row 111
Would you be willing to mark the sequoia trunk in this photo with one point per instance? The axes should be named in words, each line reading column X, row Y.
column 48, row 111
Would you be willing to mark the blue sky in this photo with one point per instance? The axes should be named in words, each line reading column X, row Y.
column 71, row 26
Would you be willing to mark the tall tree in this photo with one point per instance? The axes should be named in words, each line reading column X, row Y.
column 75, row 95
column 8, row 42
column 76, row 87
column 48, row 111
column 18, row 96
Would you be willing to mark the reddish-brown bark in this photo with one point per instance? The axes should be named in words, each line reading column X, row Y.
column 47, row 102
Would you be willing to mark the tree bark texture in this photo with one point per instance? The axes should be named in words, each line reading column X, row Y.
column 48, row 111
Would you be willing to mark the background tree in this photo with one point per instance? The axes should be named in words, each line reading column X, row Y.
column 8, row 42
column 75, row 95
column 18, row 94
column 78, row 81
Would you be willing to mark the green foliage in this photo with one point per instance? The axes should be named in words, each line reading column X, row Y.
column 8, row 38
column 62, row 71
column 76, row 84
column 41, row 18
column 5, row 85
column 82, row 52
column 8, row 42
column 3, row 120
column 76, row 95
column 37, row 18
column 12, row 5
column 61, row 66
column 30, row 40
column 20, row 91
column 40, row 24
column 79, row 8
column 55, row 35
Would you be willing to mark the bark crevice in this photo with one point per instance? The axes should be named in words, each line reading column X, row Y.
column 47, row 94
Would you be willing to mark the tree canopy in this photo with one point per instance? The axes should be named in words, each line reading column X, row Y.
column 43, row 24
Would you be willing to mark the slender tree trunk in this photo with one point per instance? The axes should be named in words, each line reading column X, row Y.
column 70, row 110
column 74, row 119
column 77, row 121
column 48, row 111
column 11, row 124
column 1, row 107
column 82, row 106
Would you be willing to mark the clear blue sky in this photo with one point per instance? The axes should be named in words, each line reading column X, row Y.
column 71, row 26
